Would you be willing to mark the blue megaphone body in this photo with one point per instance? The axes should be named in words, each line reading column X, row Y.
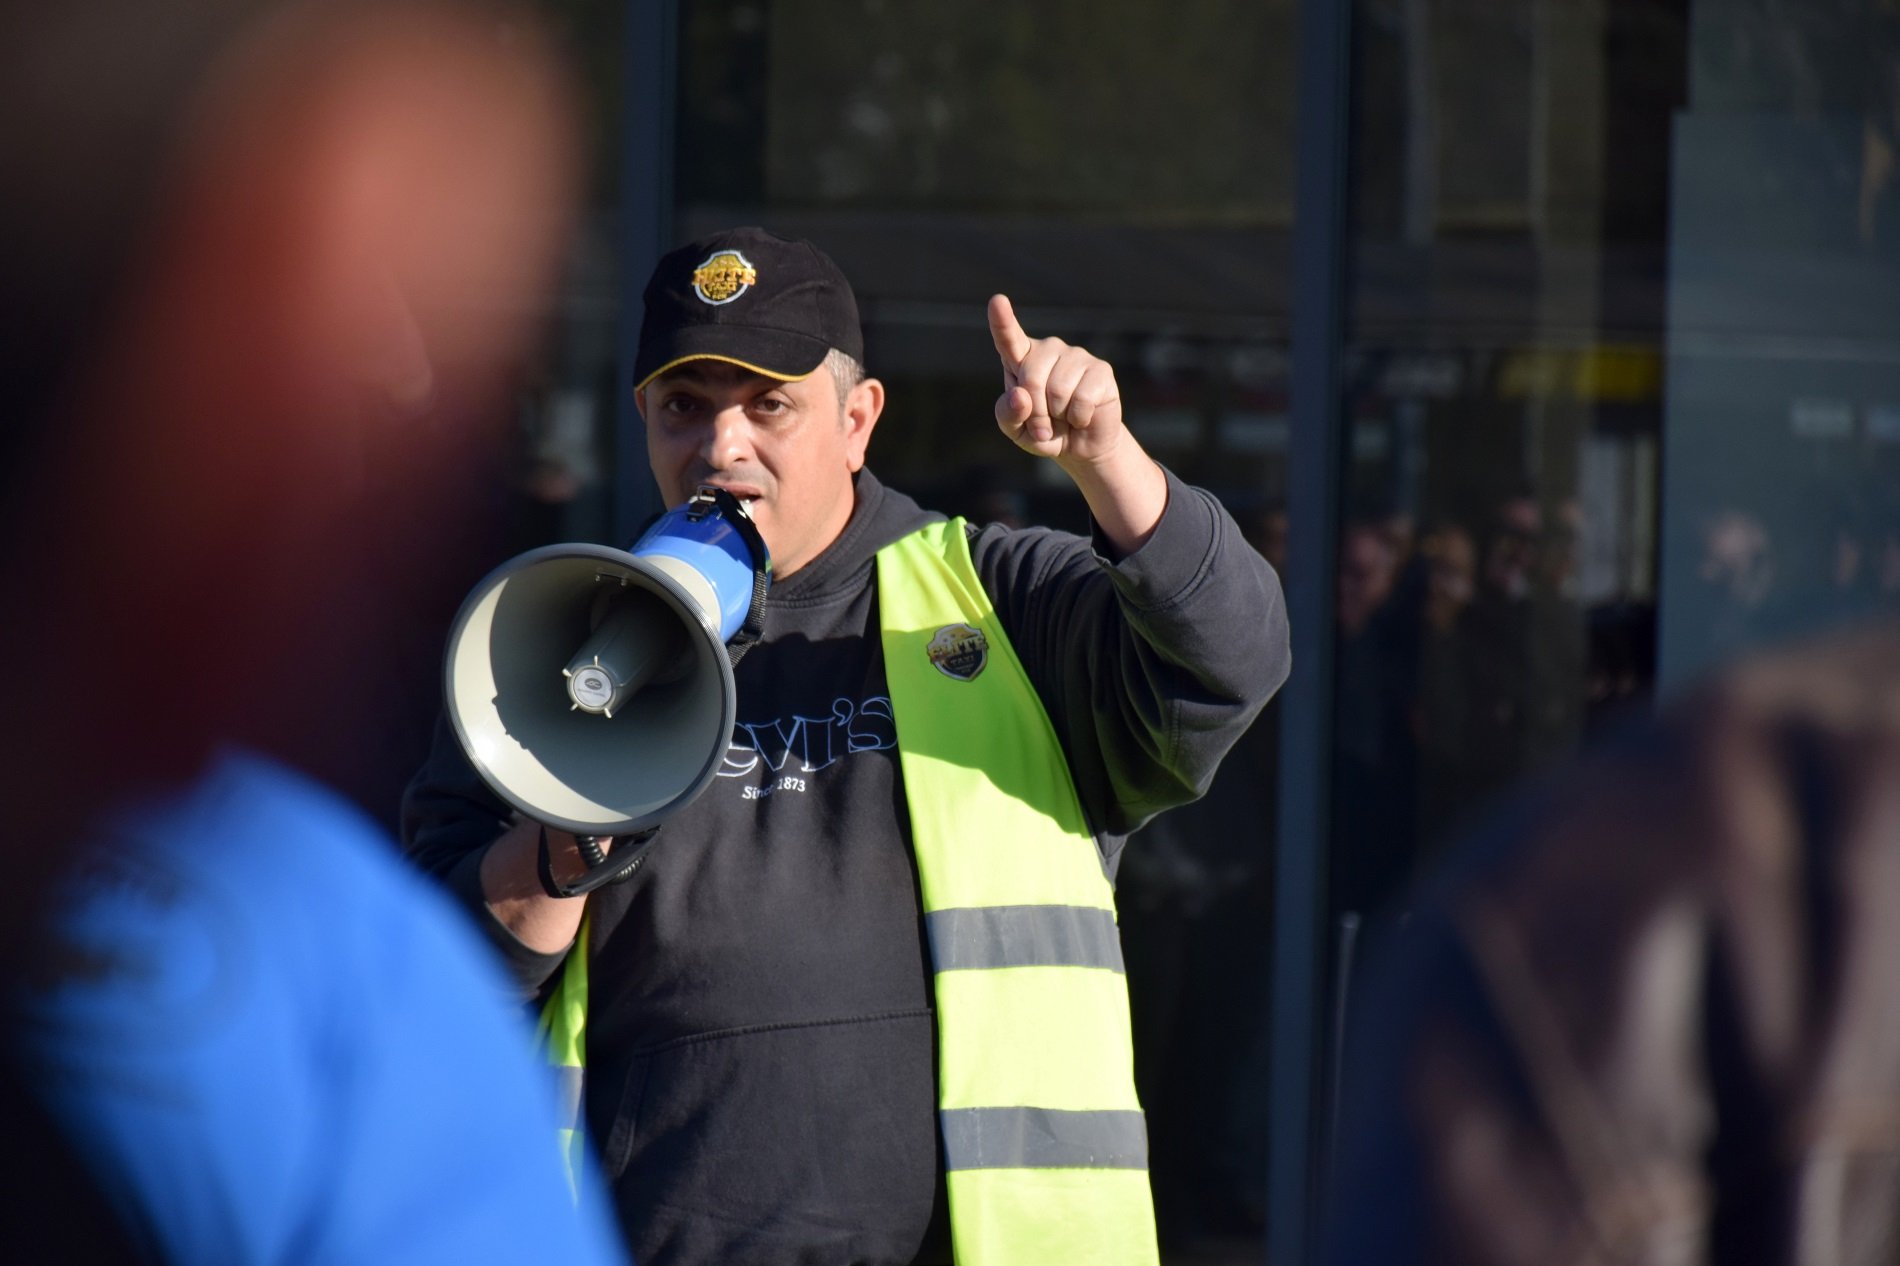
column 592, row 687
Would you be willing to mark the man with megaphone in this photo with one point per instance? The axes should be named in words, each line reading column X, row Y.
column 861, row 998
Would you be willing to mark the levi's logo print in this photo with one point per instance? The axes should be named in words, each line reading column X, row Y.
column 783, row 752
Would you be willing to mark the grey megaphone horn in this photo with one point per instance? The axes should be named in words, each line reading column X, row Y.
column 592, row 687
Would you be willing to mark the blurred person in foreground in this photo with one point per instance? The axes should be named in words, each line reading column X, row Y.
column 266, row 265
column 1652, row 1015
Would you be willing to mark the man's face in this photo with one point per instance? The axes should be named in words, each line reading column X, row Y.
column 789, row 449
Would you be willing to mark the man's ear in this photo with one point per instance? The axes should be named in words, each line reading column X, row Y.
column 640, row 402
column 862, row 408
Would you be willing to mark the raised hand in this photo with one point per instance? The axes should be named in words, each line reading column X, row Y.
column 1058, row 401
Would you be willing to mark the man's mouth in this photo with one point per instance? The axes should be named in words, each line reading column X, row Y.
column 741, row 491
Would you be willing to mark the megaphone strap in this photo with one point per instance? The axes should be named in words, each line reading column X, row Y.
column 544, row 867
column 754, row 627
column 734, row 511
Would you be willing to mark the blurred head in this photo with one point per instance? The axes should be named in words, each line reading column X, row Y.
column 750, row 377
column 1270, row 536
column 254, row 442
column 1511, row 552
column 1401, row 529
column 1737, row 557
column 1559, row 550
column 1451, row 569
column 1849, row 555
column 1367, row 568
column 987, row 494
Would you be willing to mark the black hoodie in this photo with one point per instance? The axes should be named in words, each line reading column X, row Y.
column 761, row 1058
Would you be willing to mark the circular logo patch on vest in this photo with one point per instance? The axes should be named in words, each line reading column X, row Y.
column 724, row 277
column 959, row 651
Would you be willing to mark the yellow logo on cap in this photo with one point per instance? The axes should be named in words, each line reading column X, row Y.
column 724, row 277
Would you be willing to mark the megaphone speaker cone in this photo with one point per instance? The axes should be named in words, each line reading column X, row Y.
column 598, row 717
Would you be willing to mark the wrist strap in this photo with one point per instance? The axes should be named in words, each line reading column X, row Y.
column 629, row 853
column 544, row 867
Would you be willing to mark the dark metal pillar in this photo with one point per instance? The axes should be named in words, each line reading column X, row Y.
column 1319, row 301
column 651, row 63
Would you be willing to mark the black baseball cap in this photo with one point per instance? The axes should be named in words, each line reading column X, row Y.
column 750, row 298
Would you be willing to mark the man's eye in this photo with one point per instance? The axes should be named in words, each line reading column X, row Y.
column 771, row 405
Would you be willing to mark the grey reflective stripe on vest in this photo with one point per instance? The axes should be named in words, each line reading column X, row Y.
column 1042, row 1138
column 1023, row 936
column 569, row 1083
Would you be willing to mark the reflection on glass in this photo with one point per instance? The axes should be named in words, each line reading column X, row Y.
column 1505, row 384
column 1784, row 330
column 1623, row 378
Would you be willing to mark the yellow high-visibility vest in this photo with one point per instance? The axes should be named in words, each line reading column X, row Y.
column 1044, row 1142
column 1043, row 1139
column 563, row 1029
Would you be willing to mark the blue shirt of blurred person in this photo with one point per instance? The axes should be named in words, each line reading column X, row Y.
column 270, row 1042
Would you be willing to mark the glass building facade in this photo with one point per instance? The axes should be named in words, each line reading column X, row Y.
column 1550, row 348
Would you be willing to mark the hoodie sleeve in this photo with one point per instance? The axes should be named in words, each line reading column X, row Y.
column 449, row 818
column 1150, row 667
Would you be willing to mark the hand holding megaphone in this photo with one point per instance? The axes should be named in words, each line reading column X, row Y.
column 603, row 859
column 592, row 687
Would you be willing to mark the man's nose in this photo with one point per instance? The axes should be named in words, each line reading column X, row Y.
column 728, row 439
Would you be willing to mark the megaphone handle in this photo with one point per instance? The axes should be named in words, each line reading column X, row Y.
column 590, row 849
column 602, row 868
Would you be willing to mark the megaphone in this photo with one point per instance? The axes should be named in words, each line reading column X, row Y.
column 592, row 687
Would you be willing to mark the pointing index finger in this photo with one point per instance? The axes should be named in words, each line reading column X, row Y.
column 1011, row 343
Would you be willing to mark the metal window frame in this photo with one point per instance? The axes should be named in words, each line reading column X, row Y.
column 1320, row 244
